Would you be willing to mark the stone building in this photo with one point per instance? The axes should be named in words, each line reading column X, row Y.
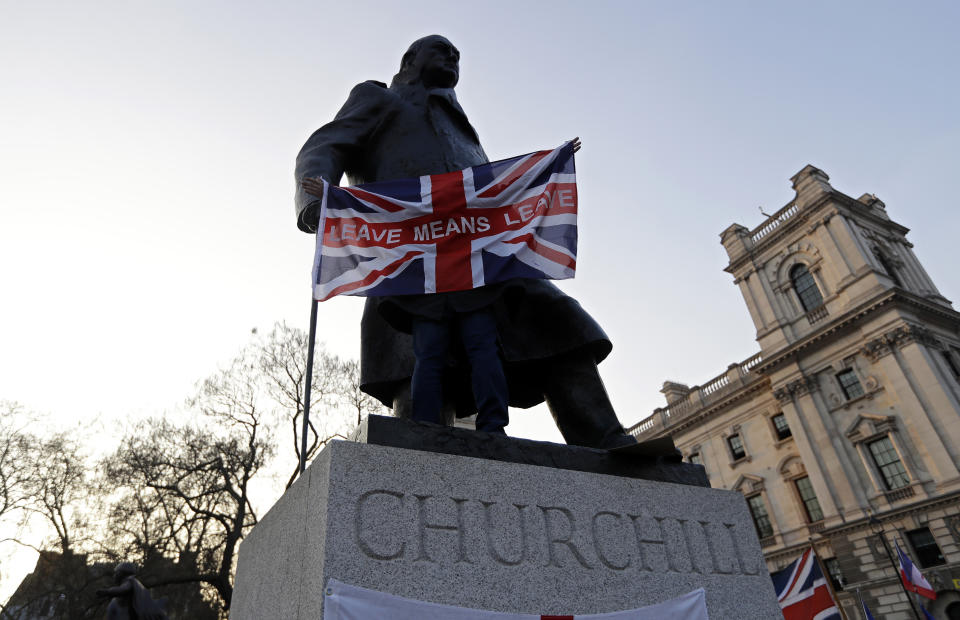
column 844, row 430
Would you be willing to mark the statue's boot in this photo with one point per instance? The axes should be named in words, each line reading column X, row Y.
column 403, row 405
column 580, row 406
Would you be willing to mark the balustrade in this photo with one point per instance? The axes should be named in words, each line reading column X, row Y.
column 778, row 218
column 696, row 399
column 816, row 314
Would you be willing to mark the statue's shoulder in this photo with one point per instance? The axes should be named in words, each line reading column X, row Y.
column 371, row 89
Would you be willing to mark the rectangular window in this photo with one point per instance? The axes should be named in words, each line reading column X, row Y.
column 926, row 547
column 736, row 447
column 760, row 517
column 809, row 499
column 695, row 458
column 850, row 384
column 888, row 462
column 833, row 569
column 780, row 426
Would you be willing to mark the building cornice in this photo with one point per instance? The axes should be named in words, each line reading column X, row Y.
column 887, row 298
column 864, row 523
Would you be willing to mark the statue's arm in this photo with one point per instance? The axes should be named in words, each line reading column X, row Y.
column 334, row 148
column 120, row 590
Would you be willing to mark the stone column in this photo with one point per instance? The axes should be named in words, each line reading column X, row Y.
column 806, row 440
column 831, row 244
column 844, row 453
column 941, row 409
column 752, row 306
column 917, row 413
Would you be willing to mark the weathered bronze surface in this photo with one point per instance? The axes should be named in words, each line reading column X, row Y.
column 656, row 460
column 130, row 598
column 414, row 127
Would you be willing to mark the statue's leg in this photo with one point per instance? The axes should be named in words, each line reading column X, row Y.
column 579, row 404
column 403, row 401
column 479, row 333
column 403, row 405
column 431, row 341
column 423, row 398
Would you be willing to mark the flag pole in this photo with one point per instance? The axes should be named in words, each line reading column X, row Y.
column 829, row 580
column 863, row 608
column 877, row 528
column 311, row 344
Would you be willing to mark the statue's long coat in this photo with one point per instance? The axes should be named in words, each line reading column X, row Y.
column 406, row 131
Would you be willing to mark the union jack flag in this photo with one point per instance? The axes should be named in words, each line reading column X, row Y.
column 513, row 218
column 803, row 592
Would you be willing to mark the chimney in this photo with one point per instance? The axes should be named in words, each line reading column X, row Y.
column 736, row 241
column 674, row 392
column 810, row 184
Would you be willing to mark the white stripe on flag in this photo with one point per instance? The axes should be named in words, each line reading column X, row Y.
column 346, row 602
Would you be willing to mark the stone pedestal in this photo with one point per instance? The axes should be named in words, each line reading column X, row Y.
column 493, row 531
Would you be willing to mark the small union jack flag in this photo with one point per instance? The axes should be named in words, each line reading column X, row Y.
column 514, row 218
column 803, row 592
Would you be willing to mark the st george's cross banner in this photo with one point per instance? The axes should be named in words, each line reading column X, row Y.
column 346, row 602
column 513, row 218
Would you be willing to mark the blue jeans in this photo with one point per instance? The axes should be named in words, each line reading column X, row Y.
column 431, row 342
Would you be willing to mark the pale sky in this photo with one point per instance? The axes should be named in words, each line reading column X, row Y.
column 147, row 150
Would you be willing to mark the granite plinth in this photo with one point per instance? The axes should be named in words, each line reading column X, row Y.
column 497, row 535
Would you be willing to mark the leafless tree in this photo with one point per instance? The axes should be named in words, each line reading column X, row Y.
column 335, row 400
column 180, row 488
column 58, row 487
column 185, row 487
column 15, row 441
column 358, row 402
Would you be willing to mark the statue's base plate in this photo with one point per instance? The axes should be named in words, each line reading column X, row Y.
column 652, row 460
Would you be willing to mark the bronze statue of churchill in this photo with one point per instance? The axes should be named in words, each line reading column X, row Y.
column 550, row 345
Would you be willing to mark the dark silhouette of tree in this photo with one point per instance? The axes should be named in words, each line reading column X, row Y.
column 335, row 399
column 176, row 492
column 358, row 402
column 58, row 487
column 184, row 487
column 15, row 442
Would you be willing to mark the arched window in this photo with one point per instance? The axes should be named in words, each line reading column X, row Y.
column 806, row 288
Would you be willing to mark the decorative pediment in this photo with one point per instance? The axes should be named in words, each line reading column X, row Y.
column 869, row 425
column 791, row 467
column 748, row 483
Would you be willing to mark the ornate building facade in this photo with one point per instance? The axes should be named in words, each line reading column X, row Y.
column 844, row 430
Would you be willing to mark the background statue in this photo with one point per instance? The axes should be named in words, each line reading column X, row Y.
column 131, row 600
column 550, row 345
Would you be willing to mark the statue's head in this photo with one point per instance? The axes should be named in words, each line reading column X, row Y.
column 124, row 570
column 432, row 61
